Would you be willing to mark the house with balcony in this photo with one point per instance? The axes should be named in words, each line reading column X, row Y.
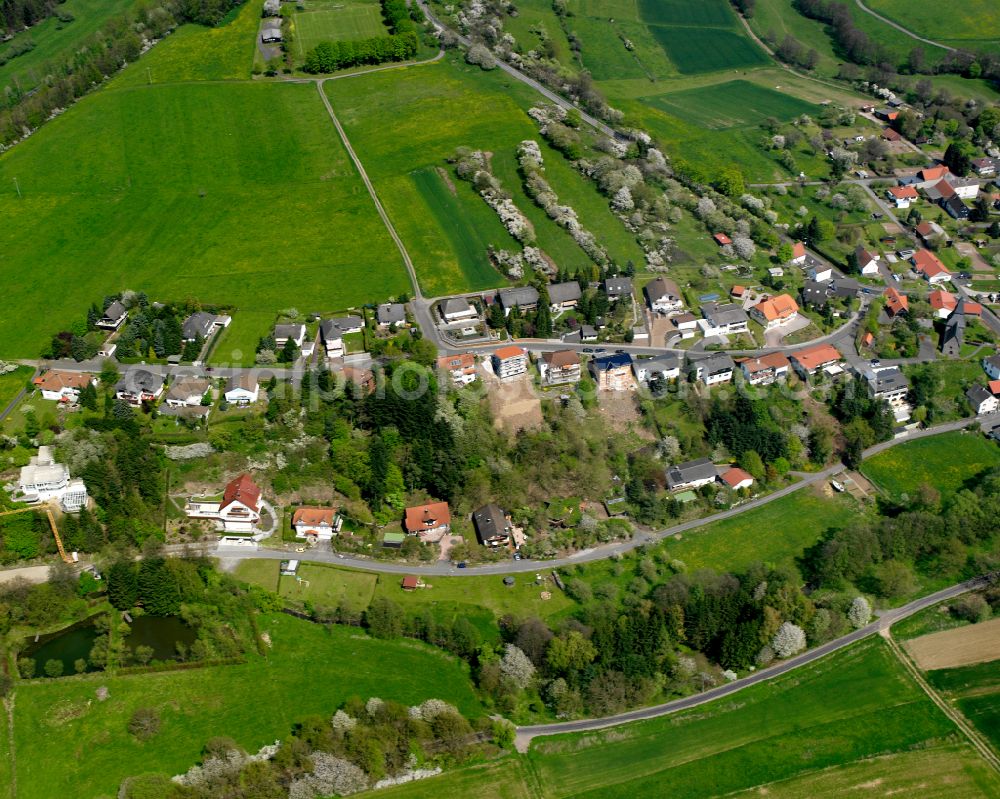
column 43, row 480
column 559, row 368
column 238, row 511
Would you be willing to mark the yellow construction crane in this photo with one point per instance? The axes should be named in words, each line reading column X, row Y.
column 52, row 523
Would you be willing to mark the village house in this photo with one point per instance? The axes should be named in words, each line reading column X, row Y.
column 237, row 512
column 722, row 319
column 524, row 298
column 715, row 369
column 929, row 232
column 692, row 474
column 955, row 207
column 986, row 167
column 271, row 34
column 320, row 524
column 686, row 324
column 559, row 368
column 939, row 191
column 457, row 309
column 799, row 253
column 660, row 367
column 814, row 294
column 564, row 296
column 139, row 385
column 775, row 311
column 929, row 267
column 362, row 379
column 928, row 177
column 822, row 357
column 902, row 196
column 891, row 385
column 942, row 302
column 44, row 480
column 332, row 332
column 510, row 362
column 242, row 389
column 965, row 188
column 113, row 316
column 291, row 332
column 187, row 391
column 429, row 522
column 896, row 304
column 198, row 325
column 820, row 273
column 765, row 369
column 613, row 372
column 735, row 478
column 867, row 262
column 991, row 365
column 663, row 296
column 953, row 335
column 62, row 386
column 618, row 288
column 891, row 136
column 390, row 313
column 981, row 400
column 493, row 526
column 461, row 367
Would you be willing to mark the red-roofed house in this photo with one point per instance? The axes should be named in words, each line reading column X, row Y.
column 902, row 195
column 942, row 302
column 929, row 267
column 510, row 362
column 890, row 135
column 411, row 583
column 237, row 512
column 320, row 523
column 810, row 360
column 775, row 311
column 738, row 291
column 798, row 253
column 430, row 521
column 994, row 387
column 722, row 239
column 461, row 367
column 766, row 369
column 931, row 175
column 895, row 303
column 62, row 386
column 867, row 339
column 736, row 478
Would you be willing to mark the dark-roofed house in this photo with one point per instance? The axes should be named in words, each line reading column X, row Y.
column 332, row 332
column 560, row 367
column 293, row 332
column 563, row 296
column 723, row 319
column 716, row 368
column 613, row 372
column 618, row 288
column 197, row 325
column 981, row 400
column 845, row 287
column 663, row 296
column 492, row 525
column 692, row 474
column 391, row 313
column 139, row 385
column 662, row 367
column 991, row 365
column 113, row 316
column 955, row 207
column 457, row 309
column 524, row 298
column 814, row 295
column 888, row 384
column 953, row 335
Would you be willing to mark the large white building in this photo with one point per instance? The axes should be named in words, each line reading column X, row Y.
column 44, row 480
column 237, row 512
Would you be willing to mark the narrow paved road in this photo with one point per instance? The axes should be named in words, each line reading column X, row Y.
column 232, row 555
column 901, row 29
column 526, row 734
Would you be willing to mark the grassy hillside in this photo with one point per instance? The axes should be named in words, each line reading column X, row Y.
column 309, row 669
column 232, row 193
column 971, row 21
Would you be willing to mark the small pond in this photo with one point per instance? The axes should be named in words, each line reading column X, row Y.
column 67, row 645
column 161, row 634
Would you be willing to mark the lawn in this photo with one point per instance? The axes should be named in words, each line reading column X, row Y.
column 434, row 110
column 502, row 779
column 973, row 20
column 697, row 50
column 325, row 21
column 310, row 669
column 54, row 39
column 195, row 53
column 948, row 462
column 235, row 194
column 976, row 692
column 237, row 344
column 831, row 715
column 730, row 104
column 12, row 383
column 318, row 584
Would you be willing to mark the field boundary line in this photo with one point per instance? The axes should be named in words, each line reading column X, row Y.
column 8, row 705
column 407, row 262
column 980, row 744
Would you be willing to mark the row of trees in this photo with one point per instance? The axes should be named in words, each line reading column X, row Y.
column 331, row 56
column 16, row 15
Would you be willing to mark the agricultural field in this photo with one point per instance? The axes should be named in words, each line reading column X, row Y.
column 966, row 24
column 975, row 690
column 309, row 669
column 54, row 39
column 947, row 462
column 726, row 105
column 776, row 19
column 697, row 50
column 436, row 109
column 963, row 646
column 334, row 21
column 828, row 717
column 234, row 193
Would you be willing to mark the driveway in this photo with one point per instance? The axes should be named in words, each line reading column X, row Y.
column 774, row 338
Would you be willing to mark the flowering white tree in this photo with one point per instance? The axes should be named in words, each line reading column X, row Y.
column 860, row 612
column 744, row 247
column 622, row 201
column 342, row 722
column 516, row 666
column 789, row 640
column 705, row 207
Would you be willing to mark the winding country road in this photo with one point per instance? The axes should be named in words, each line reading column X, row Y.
column 526, row 734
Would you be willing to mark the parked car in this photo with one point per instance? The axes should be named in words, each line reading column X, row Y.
column 904, row 254
column 461, row 564
column 588, row 349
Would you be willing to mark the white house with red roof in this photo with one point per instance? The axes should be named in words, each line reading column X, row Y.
column 736, row 478
column 237, row 512
column 902, row 196
column 320, row 524
column 62, row 386
column 798, row 253
column 929, row 267
column 430, row 522
column 942, row 303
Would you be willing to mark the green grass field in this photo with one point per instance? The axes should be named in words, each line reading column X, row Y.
column 12, row 383
column 237, row 194
column 697, row 50
column 237, row 344
column 974, row 20
column 436, row 109
column 838, row 712
column 54, row 39
column 310, row 669
column 727, row 105
column 709, row 13
column 328, row 21
column 976, row 692
column 946, row 462
column 327, row 585
column 778, row 19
